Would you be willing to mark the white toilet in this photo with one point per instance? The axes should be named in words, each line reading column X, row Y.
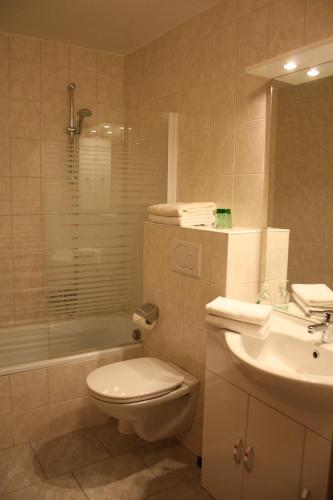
column 150, row 397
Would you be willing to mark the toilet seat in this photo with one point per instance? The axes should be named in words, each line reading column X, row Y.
column 134, row 380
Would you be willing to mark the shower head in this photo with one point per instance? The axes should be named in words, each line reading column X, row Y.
column 82, row 113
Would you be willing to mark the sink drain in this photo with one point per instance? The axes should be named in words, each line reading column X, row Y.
column 316, row 354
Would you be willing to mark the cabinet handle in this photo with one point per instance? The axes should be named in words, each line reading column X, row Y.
column 306, row 494
column 237, row 451
column 248, row 458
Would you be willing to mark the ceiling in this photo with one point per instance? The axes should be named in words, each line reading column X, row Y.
column 118, row 26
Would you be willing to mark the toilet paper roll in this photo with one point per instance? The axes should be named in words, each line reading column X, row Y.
column 142, row 323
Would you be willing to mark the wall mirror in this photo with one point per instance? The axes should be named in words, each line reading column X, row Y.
column 300, row 185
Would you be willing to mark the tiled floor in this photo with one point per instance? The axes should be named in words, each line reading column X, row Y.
column 99, row 464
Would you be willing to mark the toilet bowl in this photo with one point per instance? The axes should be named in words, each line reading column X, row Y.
column 149, row 397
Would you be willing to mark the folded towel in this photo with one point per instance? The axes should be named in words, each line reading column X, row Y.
column 305, row 307
column 179, row 209
column 183, row 221
column 319, row 295
column 256, row 331
column 237, row 310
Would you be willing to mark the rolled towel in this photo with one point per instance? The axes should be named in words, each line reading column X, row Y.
column 255, row 331
column 183, row 221
column 179, row 209
column 319, row 295
column 237, row 310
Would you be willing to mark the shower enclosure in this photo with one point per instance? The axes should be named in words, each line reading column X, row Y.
column 97, row 183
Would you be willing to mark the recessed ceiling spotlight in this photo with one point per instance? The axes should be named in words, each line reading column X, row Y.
column 122, row 128
column 290, row 65
column 107, row 126
column 313, row 72
column 93, row 131
column 109, row 132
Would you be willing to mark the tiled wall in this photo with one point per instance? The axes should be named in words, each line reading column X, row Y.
column 34, row 109
column 303, row 184
column 197, row 70
column 45, row 402
column 226, row 269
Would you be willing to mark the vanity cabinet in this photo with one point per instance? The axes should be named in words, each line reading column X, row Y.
column 253, row 452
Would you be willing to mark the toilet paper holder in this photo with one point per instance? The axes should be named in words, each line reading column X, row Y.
column 149, row 312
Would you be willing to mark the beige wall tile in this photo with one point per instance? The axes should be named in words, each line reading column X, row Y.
column 67, row 416
column 222, row 149
column 54, row 83
column 193, row 188
column 222, row 101
column 224, row 51
column 7, row 308
column 86, row 85
column 109, row 89
column 65, row 382
column 247, row 6
column 277, row 248
column 4, row 157
column 83, row 58
column 24, row 80
column 27, row 233
column 6, row 240
column 225, row 12
column 4, row 41
column 4, row 117
column 54, row 120
column 28, row 270
column 29, row 390
column 252, row 38
column 195, row 299
column 24, row 48
column 25, row 119
column 248, row 199
column 30, row 305
column 197, row 158
column 221, row 190
column 250, row 147
column 5, row 197
column 243, row 258
column 25, row 157
column 55, row 53
column 110, row 64
column 286, row 26
column 201, row 61
column 251, row 97
column 219, row 256
column 248, row 292
column 26, row 193
column 318, row 20
column 4, row 78
column 31, row 425
column 5, row 397
column 6, row 432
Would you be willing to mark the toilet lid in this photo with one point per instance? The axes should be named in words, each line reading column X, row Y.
column 134, row 380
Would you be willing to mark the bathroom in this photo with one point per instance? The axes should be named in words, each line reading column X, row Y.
column 106, row 109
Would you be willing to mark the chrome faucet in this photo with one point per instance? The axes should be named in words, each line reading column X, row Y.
column 326, row 327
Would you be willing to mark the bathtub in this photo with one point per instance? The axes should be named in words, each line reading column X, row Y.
column 43, row 369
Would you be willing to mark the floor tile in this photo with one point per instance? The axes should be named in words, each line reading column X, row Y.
column 120, row 478
column 169, row 461
column 114, row 441
column 60, row 488
column 183, row 491
column 69, row 451
column 18, row 468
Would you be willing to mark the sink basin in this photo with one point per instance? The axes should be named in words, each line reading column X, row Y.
column 290, row 361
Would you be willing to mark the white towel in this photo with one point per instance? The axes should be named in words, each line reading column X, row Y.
column 255, row 331
column 319, row 295
column 237, row 310
column 179, row 209
column 183, row 221
column 305, row 307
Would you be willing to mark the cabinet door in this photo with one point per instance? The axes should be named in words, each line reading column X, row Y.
column 316, row 466
column 224, row 422
column 277, row 445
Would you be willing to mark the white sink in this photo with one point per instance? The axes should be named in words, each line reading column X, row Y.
column 291, row 361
